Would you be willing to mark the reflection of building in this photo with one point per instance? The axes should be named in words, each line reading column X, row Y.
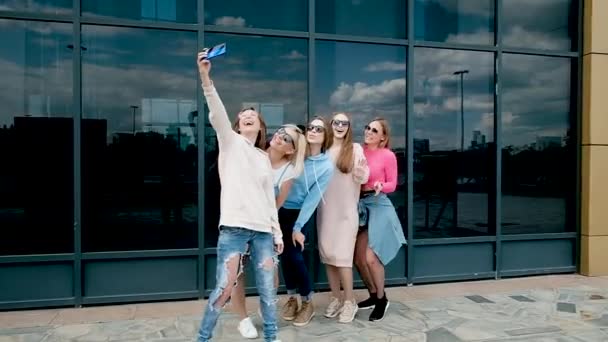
column 274, row 113
column 421, row 146
column 545, row 142
column 169, row 116
column 479, row 140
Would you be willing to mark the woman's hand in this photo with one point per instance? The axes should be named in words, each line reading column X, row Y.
column 378, row 187
column 278, row 247
column 298, row 237
column 204, row 66
column 360, row 169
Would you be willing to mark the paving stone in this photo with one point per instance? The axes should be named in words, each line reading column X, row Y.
column 479, row 299
column 523, row 299
column 35, row 337
column 532, row 331
column 566, row 307
column 21, row 331
column 600, row 322
column 441, row 335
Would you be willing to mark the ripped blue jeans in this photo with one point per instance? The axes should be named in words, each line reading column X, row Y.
column 231, row 246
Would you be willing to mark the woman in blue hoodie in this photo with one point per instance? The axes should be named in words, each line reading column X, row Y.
column 303, row 199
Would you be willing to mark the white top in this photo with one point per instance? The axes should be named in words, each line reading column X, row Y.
column 282, row 175
column 247, row 197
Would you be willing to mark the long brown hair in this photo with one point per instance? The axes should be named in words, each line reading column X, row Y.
column 386, row 143
column 260, row 141
column 344, row 162
column 327, row 135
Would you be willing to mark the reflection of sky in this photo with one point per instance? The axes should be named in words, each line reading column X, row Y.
column 269, row 74
column 437, row 108
column 46, row 6
column 283, row 15
column 455, row 21
column 125, row 67
column 364, row 80
column 36, row 66
column 362, row 17
column 161, row 10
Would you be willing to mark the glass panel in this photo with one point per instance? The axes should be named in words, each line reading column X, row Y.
column 183, row 11
column 366, row 85
column 63, row 7
column 275, row 83
column 139, row 149
column 265, row 14
column 538, row 152
column 453, row 172
column 36, row 138
column 546, row 25
column 362, row 18
column 457, row 21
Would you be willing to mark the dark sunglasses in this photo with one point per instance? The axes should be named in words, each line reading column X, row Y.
column 367, row 128
column 282, row 133
column 315, row 128
column 340, row 123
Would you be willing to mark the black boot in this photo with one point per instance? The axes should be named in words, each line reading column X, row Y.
column 369, row 303
column 379, row 310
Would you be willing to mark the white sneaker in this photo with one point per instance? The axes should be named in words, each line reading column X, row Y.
column 247, row 329
column 334, row 308
column 349, row 310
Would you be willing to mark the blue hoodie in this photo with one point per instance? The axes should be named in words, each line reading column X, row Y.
column 307, row 190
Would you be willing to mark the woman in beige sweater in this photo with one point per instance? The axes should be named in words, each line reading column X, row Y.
column 338, row 218
column 248, row 213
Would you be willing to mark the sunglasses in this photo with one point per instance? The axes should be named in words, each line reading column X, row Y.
column 315, row 128
column 367, row 128
column 282, row 133
column 340, row 123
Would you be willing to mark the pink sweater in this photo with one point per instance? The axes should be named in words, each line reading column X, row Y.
column 382, row 164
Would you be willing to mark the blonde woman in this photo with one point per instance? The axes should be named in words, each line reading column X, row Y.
column 287, row 150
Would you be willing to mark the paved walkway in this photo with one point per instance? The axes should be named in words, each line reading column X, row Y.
column 547, row 308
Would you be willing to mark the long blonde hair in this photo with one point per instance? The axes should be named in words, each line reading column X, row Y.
column 297, row 158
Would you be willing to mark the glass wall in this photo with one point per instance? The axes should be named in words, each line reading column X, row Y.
column 36, row 139
column 107, row 152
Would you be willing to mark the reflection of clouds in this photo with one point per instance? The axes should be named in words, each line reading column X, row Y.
column 541, row 24
column 230, row 21
column 437, row 97
column 103, row 98
column 520, row 36
column 294, row 55
column 385, row 66
column 478, row 37
column 537, row 91
column 477, row 8
column 34, row 6
column 364, row 96
column 53, row 82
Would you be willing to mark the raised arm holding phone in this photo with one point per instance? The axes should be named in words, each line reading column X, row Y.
column 248, row 213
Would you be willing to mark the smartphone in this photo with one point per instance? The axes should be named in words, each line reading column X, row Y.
column 217, row 50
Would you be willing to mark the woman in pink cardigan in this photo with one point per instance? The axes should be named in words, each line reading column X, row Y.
column 381, row 235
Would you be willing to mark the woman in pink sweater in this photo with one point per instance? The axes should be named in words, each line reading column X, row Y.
column 380, row 235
